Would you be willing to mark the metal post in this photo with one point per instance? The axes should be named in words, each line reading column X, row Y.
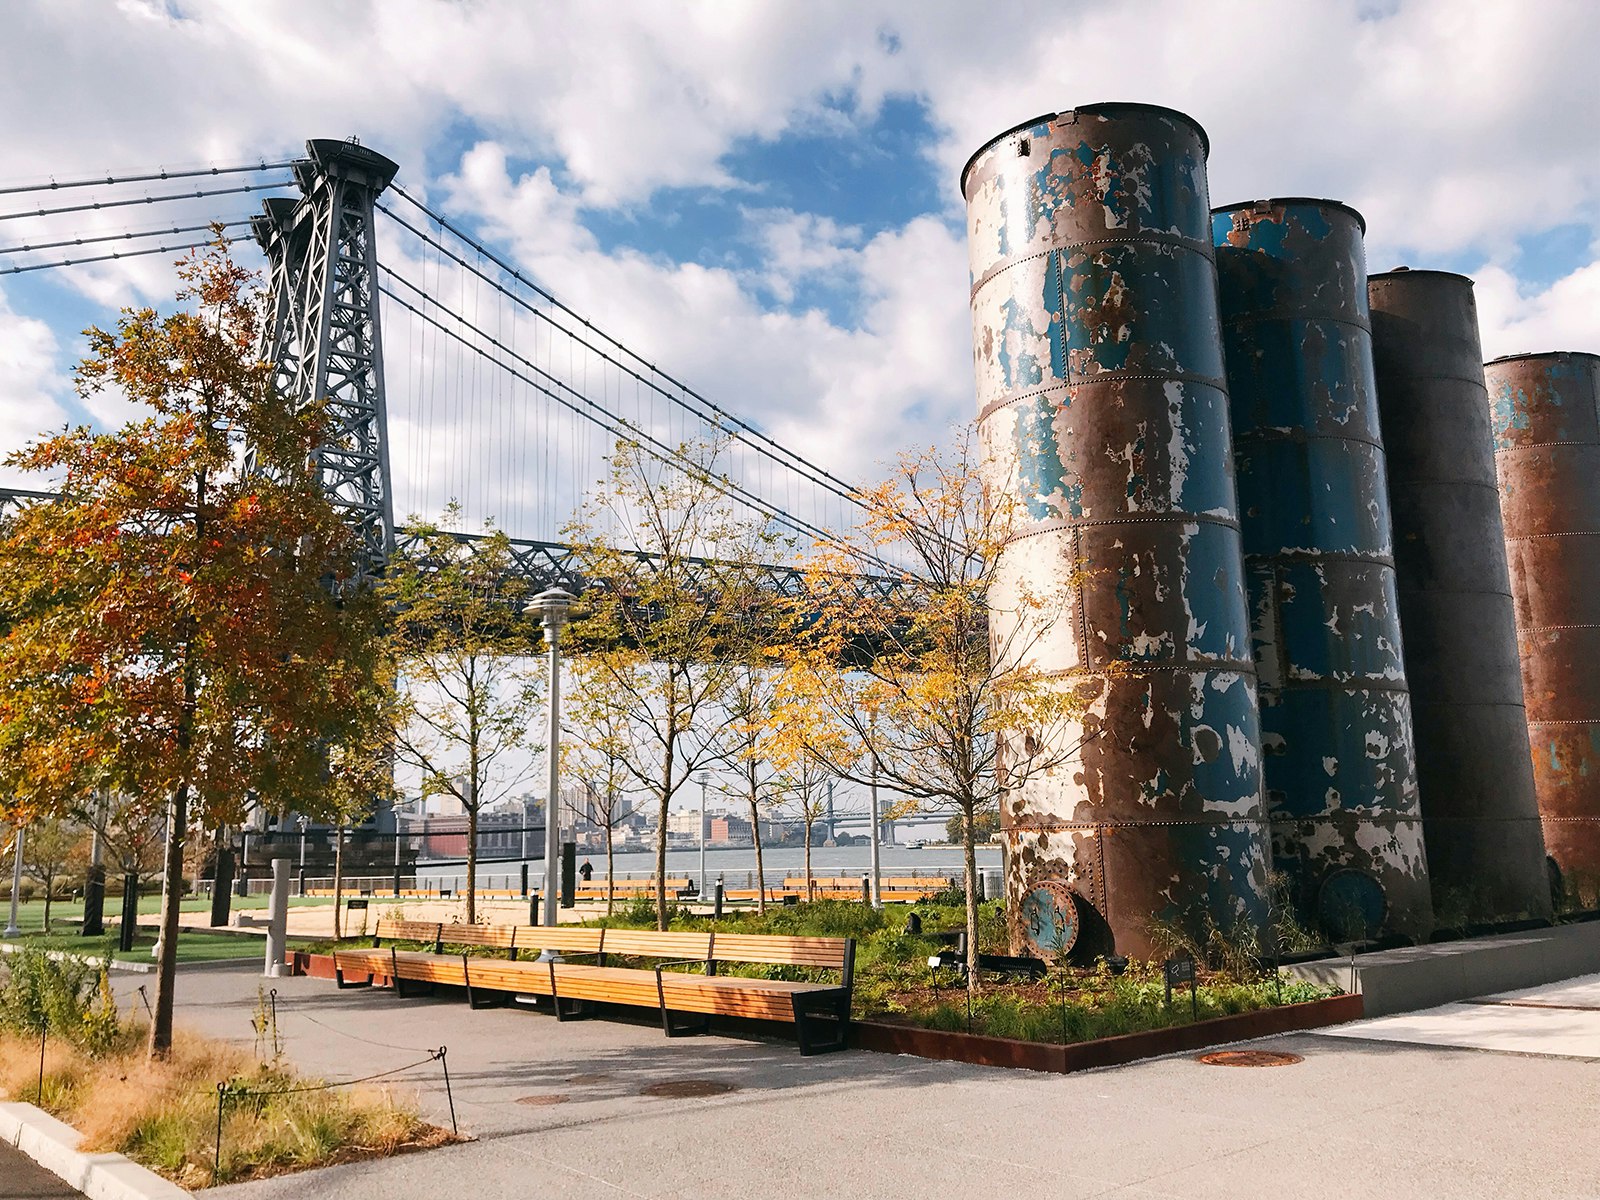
column 877, row 863
column 703, row 880
column 16, row 882
column 94, row 885
column 552, row 606
column 278, row 919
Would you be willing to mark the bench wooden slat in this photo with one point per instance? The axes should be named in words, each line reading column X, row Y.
column 562, row 939
column 498, row 936
column 650, row 943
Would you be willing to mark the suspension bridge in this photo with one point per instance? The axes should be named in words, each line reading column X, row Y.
column 458, row 382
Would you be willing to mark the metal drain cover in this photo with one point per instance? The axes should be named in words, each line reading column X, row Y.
column 542, row 1101
column 679, row 1089
column 1250, row 1058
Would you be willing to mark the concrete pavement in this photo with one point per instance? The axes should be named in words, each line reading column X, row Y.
column 560, row 1109
column 23, row 1179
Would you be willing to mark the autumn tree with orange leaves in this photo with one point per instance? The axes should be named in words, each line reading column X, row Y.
column 934, row 688
column 178, row 625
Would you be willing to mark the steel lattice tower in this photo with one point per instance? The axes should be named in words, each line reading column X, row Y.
column 322, row 333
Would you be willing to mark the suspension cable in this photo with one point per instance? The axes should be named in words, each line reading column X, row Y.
column 118, row 237
column 197, row 194
column 78, row 262
column 616, row 425
column 54, row 186
column 722, row 417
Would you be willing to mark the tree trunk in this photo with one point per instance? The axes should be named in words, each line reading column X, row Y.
column 47, row 889
column 969, row 853
column 805, row 817
column 761, row 874
column 338, row 882
column 472, row 865
column 171, row 906
column 661, row 863
column 611, row 870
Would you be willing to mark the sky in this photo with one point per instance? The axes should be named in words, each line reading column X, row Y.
column 762, row 197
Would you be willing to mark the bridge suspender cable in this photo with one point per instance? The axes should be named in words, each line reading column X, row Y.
column 610, row 422
column 709, row 412
column 113, row 180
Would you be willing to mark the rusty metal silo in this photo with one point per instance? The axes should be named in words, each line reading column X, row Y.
column 1102, row 405
column 1480, row 817
column 1336, row 732
column 1546, row 413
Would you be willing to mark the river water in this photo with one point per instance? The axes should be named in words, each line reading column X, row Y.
column 736, row 865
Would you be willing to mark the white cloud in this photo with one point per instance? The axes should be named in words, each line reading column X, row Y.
column 31, row 384
column 1457, row 126
column 1515, row 319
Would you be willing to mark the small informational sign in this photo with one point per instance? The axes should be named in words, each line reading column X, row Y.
column 353, row 905
column 1179, row 971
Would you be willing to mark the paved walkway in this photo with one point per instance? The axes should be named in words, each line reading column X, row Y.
column 1557, row 1019
column 562, row 1110
column 23, row 1179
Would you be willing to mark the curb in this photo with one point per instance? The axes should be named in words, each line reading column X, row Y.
column 54, row 1146
column 116, row 964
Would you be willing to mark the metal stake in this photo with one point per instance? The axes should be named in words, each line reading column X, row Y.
column 448, row 1095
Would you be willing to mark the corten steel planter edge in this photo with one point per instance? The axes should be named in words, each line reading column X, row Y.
column 984, row 1050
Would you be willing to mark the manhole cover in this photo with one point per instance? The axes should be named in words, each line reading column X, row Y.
column 597, row 1077
column 542, row 1101
column 678, row 1089
column 1249, row 1058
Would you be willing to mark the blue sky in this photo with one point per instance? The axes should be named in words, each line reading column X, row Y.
column 762, row 197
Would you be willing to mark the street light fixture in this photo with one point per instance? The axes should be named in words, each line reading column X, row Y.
column 552, row 605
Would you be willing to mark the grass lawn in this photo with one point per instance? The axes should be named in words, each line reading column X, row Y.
column 194, row 945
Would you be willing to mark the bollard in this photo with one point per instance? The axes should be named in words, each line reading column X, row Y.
column 569, row 874
column 221, row 887
column 94, row 902
column 130, row 913
column 866, row 889
column 524, row 879
column 716, row 904
column 278, row 919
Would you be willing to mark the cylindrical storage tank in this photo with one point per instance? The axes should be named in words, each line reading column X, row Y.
column 1102, row 405
column 1546, row 413
column 1480, row 818
column 1336, row 734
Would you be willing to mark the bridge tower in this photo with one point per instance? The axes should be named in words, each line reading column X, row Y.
column 322, row 332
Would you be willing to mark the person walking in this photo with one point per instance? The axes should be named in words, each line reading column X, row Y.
column 586, row 872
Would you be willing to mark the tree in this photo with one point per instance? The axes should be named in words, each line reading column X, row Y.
column 459, row 637
column 748, row 749
column 804, row 787
column 603, row 739
column 183, row 621
column 985, row 827
column 51, row 847
column 933, row 687
column 671, row 576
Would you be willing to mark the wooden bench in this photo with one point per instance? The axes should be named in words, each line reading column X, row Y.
column 626, row 888
column 820, row 1011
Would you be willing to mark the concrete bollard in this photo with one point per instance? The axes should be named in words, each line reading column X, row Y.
column 278, row 920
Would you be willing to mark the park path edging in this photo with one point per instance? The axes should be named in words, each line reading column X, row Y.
column 983, row 1050
column 53, row 1145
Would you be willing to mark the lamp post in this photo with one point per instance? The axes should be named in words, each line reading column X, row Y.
column 877, row 865
column 16, row 883
column 704, row 779
column 552, row 605
column 303, row 822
